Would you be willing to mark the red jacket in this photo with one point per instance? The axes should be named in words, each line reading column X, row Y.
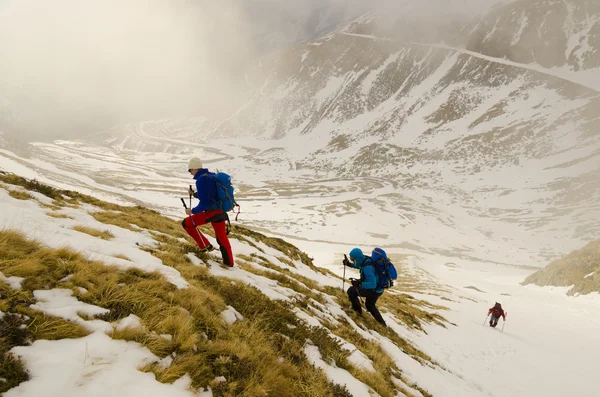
column 497, row 312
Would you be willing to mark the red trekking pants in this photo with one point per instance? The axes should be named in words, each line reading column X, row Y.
column 220, row 229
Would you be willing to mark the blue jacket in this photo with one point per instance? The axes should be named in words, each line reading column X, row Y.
column 368, row 277
column 206, row 189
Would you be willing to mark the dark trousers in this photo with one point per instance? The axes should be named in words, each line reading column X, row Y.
column 371, row 298
column 494, row 321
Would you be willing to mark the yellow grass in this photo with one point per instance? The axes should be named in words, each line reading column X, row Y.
column 20, row 195
column 116, row 218
column 58, row 215
column 103, row 234
column 43, row 326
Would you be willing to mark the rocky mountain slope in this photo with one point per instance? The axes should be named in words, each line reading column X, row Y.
column 579, row 270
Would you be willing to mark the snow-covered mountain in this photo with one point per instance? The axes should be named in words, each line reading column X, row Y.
column 552, row 34
column 374, row 134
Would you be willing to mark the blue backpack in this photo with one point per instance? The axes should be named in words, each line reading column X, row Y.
column 385, row 270
column 225, row 200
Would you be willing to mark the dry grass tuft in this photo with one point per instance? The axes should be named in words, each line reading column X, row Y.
column 43, row 326
column 157, row 344
column 116, row 218
column 20, row 195
column 56, row 214
column 103, row 234
column 12, row 371
column 13, row 332
column 411, row 311
column 13, row 245
column 30, row 185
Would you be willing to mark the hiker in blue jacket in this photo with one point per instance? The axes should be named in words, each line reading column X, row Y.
column 201, row 214
column 366, row 286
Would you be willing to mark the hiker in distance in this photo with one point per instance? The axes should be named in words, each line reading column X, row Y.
column 204, row 212
column 370, row 285
column 496, row 312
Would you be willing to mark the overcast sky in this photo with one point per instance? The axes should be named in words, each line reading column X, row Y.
column 71, row 64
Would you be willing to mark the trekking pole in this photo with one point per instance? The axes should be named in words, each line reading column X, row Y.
column 486, row 317
column 184, row 206
column 504, row 320
column 344, row 278
column 191, row 219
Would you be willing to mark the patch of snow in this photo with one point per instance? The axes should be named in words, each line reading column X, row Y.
column 14, row 282
column 219, row 379
column 523, row 20
column 360, row 360
column 183, row 383
column 332, row 86
column 304, row 55
column 267, row 286
column 337, row 375
column 61, row 303
column 95, row 365
column 131, row 321
column 400, row 383
column 166, row 362
column 310, row 320
column 230, row 315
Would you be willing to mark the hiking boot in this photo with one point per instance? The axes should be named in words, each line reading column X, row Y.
column 209, row 248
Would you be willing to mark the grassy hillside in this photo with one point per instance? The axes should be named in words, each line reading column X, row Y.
column 581, row 269
column 263, row 353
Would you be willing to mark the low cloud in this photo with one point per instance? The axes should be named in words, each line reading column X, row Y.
column 69, row 67
column 72, row 62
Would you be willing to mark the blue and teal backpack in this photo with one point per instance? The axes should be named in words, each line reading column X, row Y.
column 385, row 270
column 225, row 200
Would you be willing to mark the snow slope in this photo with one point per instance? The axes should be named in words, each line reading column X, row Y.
column 544, row 327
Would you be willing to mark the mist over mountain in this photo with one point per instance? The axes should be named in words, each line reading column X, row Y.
column 70, row 67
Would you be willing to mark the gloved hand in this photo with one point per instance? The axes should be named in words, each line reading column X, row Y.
column 346, row 262
column 355, row 283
